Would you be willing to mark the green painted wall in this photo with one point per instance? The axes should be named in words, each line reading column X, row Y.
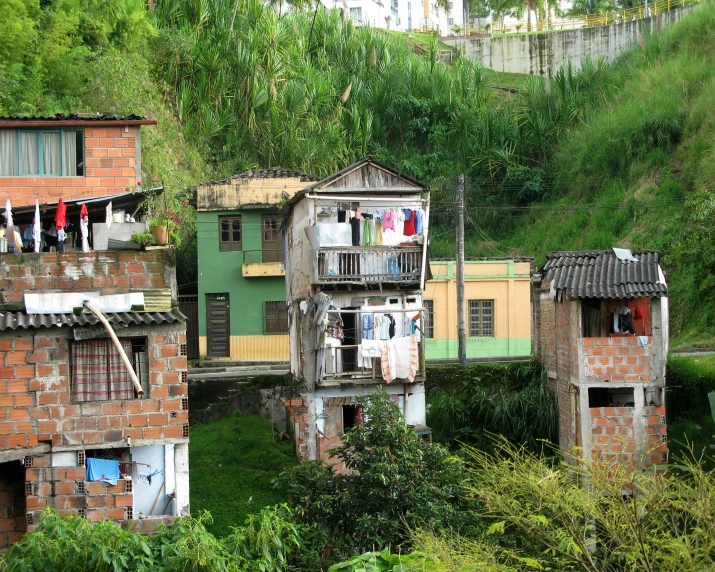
column 478, row 348
column 221, row 272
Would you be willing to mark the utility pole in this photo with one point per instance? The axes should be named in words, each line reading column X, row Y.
column 461, row 330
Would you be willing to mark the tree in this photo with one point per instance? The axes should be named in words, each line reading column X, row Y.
column 393, row 481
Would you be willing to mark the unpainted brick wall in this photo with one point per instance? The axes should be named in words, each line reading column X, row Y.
column 13, row 523
column 297, row 413
column 618, row 358
column 656, row 431
column 35, row 398
column 110, row 167
column 107, row 272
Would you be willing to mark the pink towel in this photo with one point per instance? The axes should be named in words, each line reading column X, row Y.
column 400, row 359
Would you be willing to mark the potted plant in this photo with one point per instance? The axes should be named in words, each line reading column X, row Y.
column 163, row 209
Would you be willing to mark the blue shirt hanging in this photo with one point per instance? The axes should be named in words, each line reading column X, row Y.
column 104, row 470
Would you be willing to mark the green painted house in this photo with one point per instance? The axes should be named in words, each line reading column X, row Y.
column 241, row 287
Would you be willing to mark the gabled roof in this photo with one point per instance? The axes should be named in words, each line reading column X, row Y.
column 367, row 175
column 375, row 178
column 601, row 274
column 79, row 120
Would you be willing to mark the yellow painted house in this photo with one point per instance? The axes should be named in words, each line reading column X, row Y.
column 497, row 304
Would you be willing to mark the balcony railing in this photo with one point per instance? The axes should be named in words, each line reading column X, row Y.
column 368, row 264
column 344, row 363
column 261, row 256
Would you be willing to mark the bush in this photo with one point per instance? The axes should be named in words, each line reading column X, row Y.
column 394, row 482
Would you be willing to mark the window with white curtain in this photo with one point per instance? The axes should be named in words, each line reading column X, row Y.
column 50, row 153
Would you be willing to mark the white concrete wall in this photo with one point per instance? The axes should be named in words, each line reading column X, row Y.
column 543, row 54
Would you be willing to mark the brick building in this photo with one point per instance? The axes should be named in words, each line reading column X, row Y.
column 50, row 424
column 68, row 156
column 602, row 332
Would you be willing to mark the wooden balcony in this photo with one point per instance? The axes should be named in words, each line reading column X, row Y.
column 362, row 265
column 343, row 364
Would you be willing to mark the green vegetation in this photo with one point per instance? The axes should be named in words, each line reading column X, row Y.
column 469, row 405
column 233, row 463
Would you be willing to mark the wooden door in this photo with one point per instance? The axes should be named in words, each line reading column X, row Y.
column 272, row 243
column 218, row 319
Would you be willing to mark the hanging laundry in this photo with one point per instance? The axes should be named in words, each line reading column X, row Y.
column 367, row 326
column 387, row 327
column 400, row 358
column 367, row 233
column 355, row 228
column 388, row 221
column 419, row 215
column 379, row 241
column 371, row 348
column 61, row 215
column 104, row 470
column 409, row 228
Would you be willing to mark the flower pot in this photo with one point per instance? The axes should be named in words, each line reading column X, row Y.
column 160, row 234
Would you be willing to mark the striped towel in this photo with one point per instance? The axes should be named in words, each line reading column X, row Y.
column 400, row 359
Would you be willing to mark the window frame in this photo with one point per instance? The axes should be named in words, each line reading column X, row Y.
column 230, row 245
column 479, row 329
column 428, row 329
column 41, row 152
column 273, row 316
column 143, row 373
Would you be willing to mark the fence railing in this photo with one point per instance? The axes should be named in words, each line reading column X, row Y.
column 365, row 264
column 611, row 17
column 345, row 362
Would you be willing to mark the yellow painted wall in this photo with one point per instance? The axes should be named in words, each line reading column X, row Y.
column 254, row 348
column 509, row 287
column 236, row 193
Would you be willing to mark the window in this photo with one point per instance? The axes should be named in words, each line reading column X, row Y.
column 230, row 233
column 481, row 318
column 352, row 416
column 275, row 318
column 450, row 21
column 55, row 153
column 97, row 372
column 356, row 14
column 429, row 319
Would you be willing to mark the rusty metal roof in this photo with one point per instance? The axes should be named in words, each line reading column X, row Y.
column 600, row 274
column 20, row 320
column 9, row 120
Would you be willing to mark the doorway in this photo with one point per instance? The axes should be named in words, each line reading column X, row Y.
column 218, row 320
column 13, row 514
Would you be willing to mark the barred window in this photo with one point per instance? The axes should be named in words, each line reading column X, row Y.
column 275, row 318
column 428, row 326
column 481, row 318
column 230, row 233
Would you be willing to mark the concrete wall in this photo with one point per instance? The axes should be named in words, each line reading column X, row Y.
column 504, row 281
column 543, row 54
column 112, row 163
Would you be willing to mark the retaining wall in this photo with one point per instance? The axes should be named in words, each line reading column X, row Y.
column 543, row 54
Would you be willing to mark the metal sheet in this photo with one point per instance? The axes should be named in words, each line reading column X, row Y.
column 21, row 320
column 66, row 302
column 600, row 274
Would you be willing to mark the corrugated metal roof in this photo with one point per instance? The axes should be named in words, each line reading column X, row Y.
column 73, row 117
column 600, row 274
column 20, row 320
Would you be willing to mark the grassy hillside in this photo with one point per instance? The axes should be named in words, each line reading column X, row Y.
column 638, row 173
column 233, row 463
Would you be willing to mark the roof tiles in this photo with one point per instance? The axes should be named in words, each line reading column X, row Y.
column 600, row 274
column 20, row 320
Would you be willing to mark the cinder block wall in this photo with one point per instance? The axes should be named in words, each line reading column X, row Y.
column 111, row 166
